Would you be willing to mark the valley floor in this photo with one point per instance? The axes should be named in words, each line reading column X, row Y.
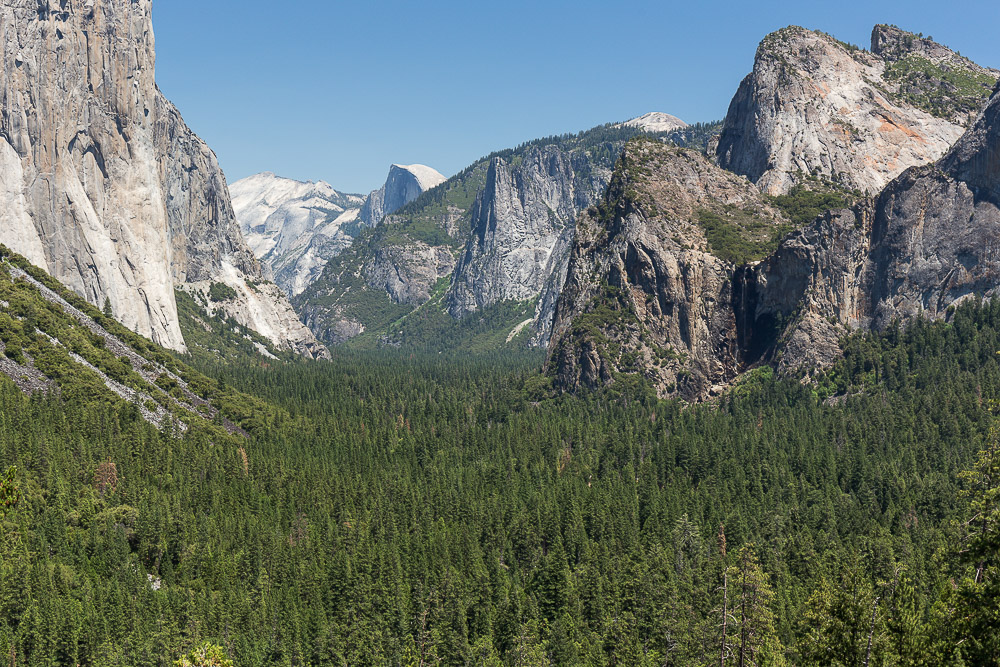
column 407, row 509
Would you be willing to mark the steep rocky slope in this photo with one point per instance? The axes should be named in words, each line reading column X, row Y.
column 650, row 286
column 293, row 227
column 932, row 77
column 816, row 106
column 644, row 297
column 926, row 243
column 103, row 184
column 493, row 240
column 54, row 342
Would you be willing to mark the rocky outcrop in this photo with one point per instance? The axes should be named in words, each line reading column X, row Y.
column 646, row 290
column 793, row 308
column 376, row 278
column 103, row 184
column 643, row 295
column 262, row 303
column 816, row 106
column 294, row 227
column 408, row 273
column 403, row 185
column 522, row 228
column 975, row 160
column 925, row 244
column 931, row 76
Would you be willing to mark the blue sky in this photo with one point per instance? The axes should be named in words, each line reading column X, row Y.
column 340, row 90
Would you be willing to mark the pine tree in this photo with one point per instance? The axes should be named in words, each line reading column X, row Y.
column 10, row 495
column 206, row 655
column 980, row 600
column 754, row 638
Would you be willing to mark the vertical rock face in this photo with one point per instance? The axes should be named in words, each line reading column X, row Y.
column 404, row 184
column 79, row 146
column 975, row 160
column 816, row 106
column 407, row 274
column 103, row 184
column 793, row 307
column 926, row 243
column 522, row 228
column 646, row 289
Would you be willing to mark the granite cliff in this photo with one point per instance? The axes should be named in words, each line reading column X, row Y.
column 522, row 227
column 927, row 242
column 816, row 106
column 103, row 184
column 650, row 281
column 649, row 293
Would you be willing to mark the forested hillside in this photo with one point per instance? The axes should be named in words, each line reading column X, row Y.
column 395, row 509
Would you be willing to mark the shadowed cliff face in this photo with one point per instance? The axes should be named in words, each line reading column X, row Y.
column 646, row 290
column 975, row 160
column 813, row 105
column 103, row 184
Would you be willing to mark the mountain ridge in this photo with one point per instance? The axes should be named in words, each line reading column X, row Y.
column 461, row 224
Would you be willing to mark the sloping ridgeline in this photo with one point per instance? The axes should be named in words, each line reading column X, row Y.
column 405, row 283
column 53, row 342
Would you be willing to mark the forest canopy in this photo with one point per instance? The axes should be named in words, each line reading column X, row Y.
column 403, row 509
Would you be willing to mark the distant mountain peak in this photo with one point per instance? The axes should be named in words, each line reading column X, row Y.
column 295, row 227
column 427, row 177
column 656, row 121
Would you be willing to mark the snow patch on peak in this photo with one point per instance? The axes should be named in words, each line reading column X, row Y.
column 292, row 226
column 656, row 121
